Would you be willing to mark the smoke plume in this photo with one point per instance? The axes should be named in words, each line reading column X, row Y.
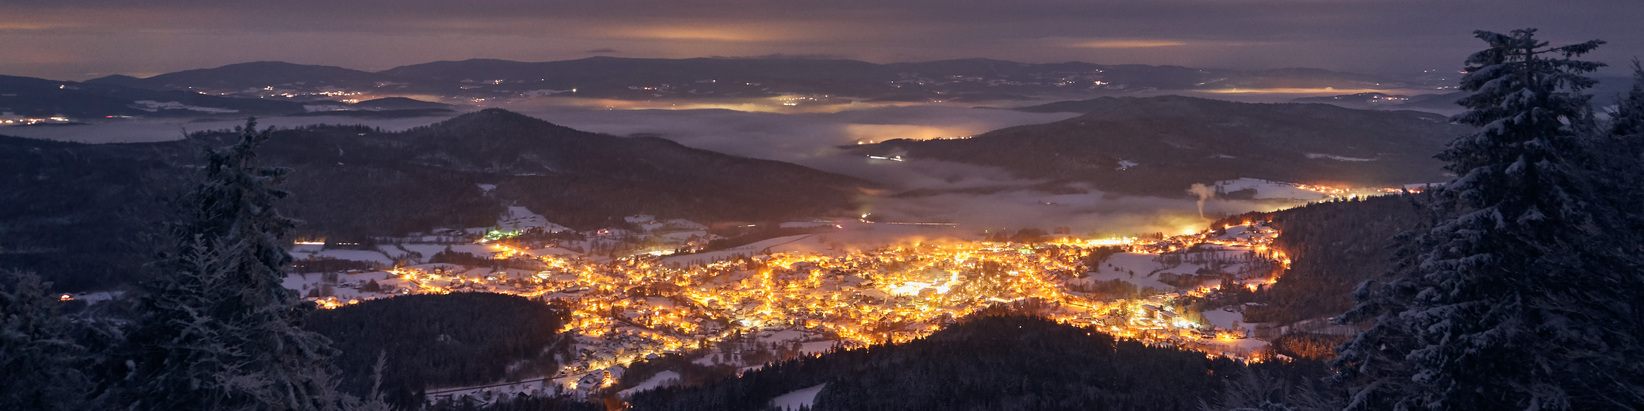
column 1204, row 193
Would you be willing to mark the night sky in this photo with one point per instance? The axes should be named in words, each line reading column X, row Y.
column 79, row 39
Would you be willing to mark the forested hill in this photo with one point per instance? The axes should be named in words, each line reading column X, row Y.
column 1333, row 247
column 577, row 178
column 1162, row 145
column 82, row 210
column 987, row 362
column 441, row 340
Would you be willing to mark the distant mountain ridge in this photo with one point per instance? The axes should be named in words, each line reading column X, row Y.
column 33, row 97
column 122, row 96
column 281, row 88
column 646, row 78
column 257, row 74
column 1161, row 145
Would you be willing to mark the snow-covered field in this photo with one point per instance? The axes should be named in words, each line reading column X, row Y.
column 1266, row 189
column 788, row 244
column 661, row 379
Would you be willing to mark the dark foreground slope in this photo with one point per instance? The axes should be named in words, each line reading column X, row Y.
column 1162, row 145
column 78, row 213
column 989, row 362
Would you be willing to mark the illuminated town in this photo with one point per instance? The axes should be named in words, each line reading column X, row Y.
column 628, row 309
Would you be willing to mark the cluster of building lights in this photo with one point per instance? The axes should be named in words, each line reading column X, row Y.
column 641, row 306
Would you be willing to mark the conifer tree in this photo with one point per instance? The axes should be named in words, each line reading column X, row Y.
column 39, row 359
column 1628, row 118
column 217, row 330
column 1510, row 296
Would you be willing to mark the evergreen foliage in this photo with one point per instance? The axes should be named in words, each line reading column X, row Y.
column 995, row 361
column 1510, row 296
column 1333, row 247
column 1628, row 118
column 39, row 359
column 441, row 340
column 216, row 329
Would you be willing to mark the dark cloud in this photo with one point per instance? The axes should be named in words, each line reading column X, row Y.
column 75, row 39
column 601, row 51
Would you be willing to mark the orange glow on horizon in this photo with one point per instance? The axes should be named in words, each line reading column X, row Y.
column 1127, row 44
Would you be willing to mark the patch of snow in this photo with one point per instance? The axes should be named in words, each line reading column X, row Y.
column 355, row 255
column 782, row 336
column 803, row 397
column 1266, row 189
column 1315, row 156
column 392, row 251
column 1126, row 165
column 1224, row 319
column 788, row 244
column 154, row 106
column 428, row 250
column 520, row 218
column 683, row 224
column 1141, row 264
column 659, row 380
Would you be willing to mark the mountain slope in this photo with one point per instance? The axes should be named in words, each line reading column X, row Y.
column 350, row 183
column 581, row 174
column 1161, row 145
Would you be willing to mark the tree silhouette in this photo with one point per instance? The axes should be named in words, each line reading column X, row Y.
column 217, row 330
column 1509, row 296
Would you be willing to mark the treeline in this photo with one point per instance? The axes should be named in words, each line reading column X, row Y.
column 435, row 340
column 993, row 361
column 83, row 215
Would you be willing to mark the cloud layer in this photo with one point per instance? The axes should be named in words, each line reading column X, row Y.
column 80, row 39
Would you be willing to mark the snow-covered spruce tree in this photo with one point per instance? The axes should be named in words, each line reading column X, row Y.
column 1511, row 297
column 216, row 328
column 39, row 359
column 1628, row 118
column 1621, row 161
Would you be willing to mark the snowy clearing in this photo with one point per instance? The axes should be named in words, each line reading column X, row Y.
column 804, row 397
column 1266, row 189
column 1316, row 156
column 659, row 380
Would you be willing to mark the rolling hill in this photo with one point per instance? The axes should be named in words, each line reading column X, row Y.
column 353, row 182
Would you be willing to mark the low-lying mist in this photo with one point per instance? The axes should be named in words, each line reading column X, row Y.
column 976, row 198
